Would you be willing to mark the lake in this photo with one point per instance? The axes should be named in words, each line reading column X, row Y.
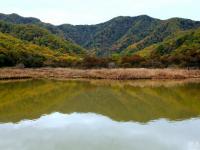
column 99, row 115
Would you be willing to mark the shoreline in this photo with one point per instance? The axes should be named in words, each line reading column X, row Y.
column 110, row 74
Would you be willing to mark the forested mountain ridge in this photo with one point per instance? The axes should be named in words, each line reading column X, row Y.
column 115, row 35
column 15, row 18
column 181, row 49
column 39, row 36
column 14, row 51
column 127, row 41
column 133, row 33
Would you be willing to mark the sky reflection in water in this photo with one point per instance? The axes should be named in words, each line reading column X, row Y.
column 91, row 131
column 121, row 118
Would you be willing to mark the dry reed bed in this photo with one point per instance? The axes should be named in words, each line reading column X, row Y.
column 143, row 83
column 114, row 74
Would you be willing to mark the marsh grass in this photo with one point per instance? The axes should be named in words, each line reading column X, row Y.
column 113, row 74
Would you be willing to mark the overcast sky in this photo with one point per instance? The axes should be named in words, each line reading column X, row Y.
column 97, row 11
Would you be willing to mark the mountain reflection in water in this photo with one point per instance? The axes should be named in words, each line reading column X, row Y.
column 140, row 101
column 99, row 115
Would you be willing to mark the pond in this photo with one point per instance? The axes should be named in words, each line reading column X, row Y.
column 99, row 115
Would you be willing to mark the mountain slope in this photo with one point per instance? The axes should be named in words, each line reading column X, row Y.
column 140, row 41
column 14, row 51
column 126, row 33
column 162, row 31
column 129, row 34
column 39, row 36
column 180, row 41
column 115, row 34
column 17, row 19
column 182, row 49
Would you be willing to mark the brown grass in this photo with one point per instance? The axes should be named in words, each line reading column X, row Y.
column 114, row 74
column 143, row 83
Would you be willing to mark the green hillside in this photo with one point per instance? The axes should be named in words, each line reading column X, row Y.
column 111, row 36
column 181, row 49
column 39, row 36
column 140, row 41
column 115, row 35
column 14, row 51
column 125, row 33
column 17, row 19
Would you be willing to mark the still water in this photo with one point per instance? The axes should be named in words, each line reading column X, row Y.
column 99, row 115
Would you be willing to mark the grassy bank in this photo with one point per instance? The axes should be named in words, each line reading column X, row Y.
column 114, row 74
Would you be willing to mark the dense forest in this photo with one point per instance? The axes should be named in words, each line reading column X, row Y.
column 139, row 41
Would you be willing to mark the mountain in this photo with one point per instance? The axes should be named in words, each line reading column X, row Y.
column 165, row 29
column 15, row 18
column 181, row 49
column 115, row 35
column 127, row 41
column 39, row 36
column 178, row 42
column 14, row 51
column 126, row 33
column 33, row 30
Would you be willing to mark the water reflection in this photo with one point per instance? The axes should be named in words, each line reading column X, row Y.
column 140, row 101
column 99, row 115
column 90, row 131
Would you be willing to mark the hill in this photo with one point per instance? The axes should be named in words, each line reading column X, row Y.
column 125, row 33
column 27, row 29
column 140, row 41
column 181, row 49
column 116, row 35
column 14, row 51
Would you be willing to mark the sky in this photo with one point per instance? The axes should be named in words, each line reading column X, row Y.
column 97, row 11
